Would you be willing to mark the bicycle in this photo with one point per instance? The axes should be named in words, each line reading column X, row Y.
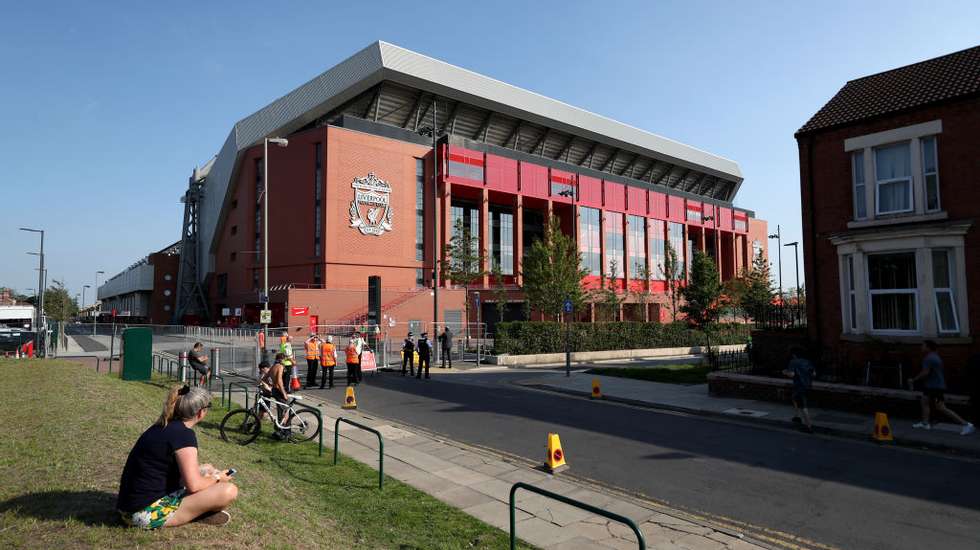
column 242, row 426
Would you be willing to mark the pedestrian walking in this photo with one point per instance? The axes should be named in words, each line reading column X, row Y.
column 801, row 370
column 446, row 346
column 328, row 360
column 424, row 348
column 312, row 346
column 198, row 360
column 408, row 354
column 353, row 359
column 934, row 389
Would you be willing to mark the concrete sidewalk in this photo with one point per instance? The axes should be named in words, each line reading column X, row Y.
column 695, row 399
column 478, row 482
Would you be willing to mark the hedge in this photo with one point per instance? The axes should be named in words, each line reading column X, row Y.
column 527, row 337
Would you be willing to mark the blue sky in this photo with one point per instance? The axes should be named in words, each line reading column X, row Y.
column 106, row 107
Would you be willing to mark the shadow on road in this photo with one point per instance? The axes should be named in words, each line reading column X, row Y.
column 93, row 508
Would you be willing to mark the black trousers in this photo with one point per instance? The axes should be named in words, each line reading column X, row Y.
column 353, row 373
column 447, row 356
column 423, row 363
column 311, row 367
column 327, row 372
column 409, row 359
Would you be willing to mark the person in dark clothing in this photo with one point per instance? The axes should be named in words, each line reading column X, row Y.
column 933, row 394
column 446, row 346
column 425, row 353
column 801, row 370
column 408, row 355
column 162, row 484
column 198, row 360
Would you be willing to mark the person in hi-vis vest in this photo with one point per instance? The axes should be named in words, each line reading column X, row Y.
column 312, row 346
column 353, row 358
column 328, row 360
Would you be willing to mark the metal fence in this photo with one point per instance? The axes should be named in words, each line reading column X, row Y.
column 781, row 317
column 732, row 361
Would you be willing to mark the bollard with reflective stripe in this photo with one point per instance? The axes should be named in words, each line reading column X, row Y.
column 184, row 364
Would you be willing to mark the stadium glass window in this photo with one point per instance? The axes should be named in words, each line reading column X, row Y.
column 636, row 226
column 675, row 238
column 613, row 229
column 419, row 209
column 317, row 198
column 658, row 248
column 589, row 240
column 502, row 239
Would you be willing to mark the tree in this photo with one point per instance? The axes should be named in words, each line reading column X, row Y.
column 553, row 272
column 759, row 292
column 702, row 303
column 58, row 304
column 462, row 264
column 608, row 292
column 673, row 274
column 641, row 289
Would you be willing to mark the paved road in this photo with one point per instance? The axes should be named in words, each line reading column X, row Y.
column 840, row 493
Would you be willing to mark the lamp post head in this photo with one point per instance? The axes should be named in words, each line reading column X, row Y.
column 774, row 236
column 281, row 142
column 32, row 230
column 793, row 244
column 567, row 193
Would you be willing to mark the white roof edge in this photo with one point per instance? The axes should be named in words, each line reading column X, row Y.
column 418, row 66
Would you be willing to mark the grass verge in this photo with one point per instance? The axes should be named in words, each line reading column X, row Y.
column 670, row 374
column 67, row 432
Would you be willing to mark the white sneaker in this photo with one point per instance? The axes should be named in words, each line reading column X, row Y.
column 968, row 429
column 922, row 426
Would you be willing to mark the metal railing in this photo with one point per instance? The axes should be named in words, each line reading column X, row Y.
column 381, row 446
column 571, row 502
column 319, row 419
column 781, row 317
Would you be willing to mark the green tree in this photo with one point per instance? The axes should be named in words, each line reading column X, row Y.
column 702, row 303
column 672, row 271
column 58, row 304
column 462, row 263
column 552, row 272
column 608, row 292
column 759, row 291
column 641, row 288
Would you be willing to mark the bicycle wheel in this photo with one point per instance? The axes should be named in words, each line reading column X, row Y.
column 303, row 426
column 240, row 426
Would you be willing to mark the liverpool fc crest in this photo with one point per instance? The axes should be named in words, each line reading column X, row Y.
column 370, row 211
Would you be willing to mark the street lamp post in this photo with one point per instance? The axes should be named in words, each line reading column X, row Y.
column 778, row 235
column 569, row 194
column 83, row 294
column 40, row 284
column 796, row 256
column 95, row 321
column 281, row 142
column 435, row 223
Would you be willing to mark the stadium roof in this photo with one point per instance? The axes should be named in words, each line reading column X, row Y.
column 393, row 86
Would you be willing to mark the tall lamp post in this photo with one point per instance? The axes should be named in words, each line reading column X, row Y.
column 569, row 194
column 40, row 293
column 83, row 294
column 778, row 235
column 796, row 255
column 281, row 142
column 95, row 320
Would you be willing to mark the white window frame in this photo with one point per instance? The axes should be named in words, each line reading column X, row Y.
column 879, row 182
column 937, row 290
column 851, row 294
column 887, row 291
column 860, row 197
column 925, row 182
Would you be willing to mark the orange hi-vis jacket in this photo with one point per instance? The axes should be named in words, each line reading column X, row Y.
column 327, row 353
column 352, row 357
column 312, row 349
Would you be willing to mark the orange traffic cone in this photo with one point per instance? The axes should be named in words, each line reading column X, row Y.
column 349, row 401
column 883, row 431
column 294, row 379
column 556, row 457
column 596, row 391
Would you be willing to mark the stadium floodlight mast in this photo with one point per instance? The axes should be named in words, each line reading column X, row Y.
column 281, row 142
column 39, row 305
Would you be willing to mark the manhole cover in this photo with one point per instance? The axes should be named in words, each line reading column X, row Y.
column 737, row 411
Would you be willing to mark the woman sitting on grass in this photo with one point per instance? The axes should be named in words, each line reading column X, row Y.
column 162, row 483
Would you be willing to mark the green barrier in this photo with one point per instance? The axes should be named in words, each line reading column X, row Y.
column 319, row 418
column 381, row 447
column 244, row 389
column 571, row 502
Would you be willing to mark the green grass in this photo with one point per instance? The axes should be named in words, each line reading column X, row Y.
column 66, row 433
column 671, row 374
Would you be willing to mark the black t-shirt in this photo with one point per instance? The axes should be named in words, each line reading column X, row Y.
column 195, row 359
column 151, row 470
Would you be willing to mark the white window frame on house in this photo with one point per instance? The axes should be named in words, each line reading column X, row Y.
column 859, row 179
column 910, row 194
column 946, row 289
column 864, row 147
column 851, row 294
column 914, row 292
column 934, row 172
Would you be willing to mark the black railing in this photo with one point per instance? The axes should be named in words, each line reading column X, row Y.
column 732, row 361
column 781, row 317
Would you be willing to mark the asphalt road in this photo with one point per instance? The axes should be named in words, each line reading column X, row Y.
column 835, row 492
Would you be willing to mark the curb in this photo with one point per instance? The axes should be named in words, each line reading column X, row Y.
column 823, row 430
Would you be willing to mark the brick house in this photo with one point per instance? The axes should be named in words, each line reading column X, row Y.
column 890, row 189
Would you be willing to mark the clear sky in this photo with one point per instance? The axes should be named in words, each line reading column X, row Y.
column 105, row 107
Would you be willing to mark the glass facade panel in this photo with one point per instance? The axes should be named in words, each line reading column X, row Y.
column 658, row 246
column 615, row 243
column 502, row 240
column 589, row 240
column 637, row 246
column 317, row 200
column 419, row 209
column 675, row 238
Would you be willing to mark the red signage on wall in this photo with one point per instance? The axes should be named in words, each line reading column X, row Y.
column 299, row 311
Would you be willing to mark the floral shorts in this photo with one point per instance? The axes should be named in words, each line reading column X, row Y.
column 156, row 514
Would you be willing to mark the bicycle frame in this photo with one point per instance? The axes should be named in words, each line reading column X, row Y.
column 266, row 404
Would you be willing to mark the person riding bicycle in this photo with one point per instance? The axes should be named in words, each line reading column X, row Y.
column 276, row 376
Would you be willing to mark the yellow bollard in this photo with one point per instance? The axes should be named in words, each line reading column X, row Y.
column 883, row 431
column 596, row 391
column 349, row 401
column 556, row 457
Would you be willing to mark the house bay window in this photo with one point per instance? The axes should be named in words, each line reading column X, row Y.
column 893, row 179
column 942, row 282
column 893, row 292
